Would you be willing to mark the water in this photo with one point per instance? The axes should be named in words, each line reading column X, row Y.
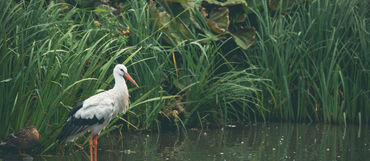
column 254, row 142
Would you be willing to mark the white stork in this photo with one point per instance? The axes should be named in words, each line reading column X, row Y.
column 95, row 113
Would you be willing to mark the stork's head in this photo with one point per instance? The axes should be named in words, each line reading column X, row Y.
column 121, row 70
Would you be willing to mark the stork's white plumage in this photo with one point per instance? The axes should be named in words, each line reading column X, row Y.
column 95, row 113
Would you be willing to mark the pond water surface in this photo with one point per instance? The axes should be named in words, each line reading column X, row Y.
column 303, row 142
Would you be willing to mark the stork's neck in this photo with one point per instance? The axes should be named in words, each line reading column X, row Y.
column 120, row 83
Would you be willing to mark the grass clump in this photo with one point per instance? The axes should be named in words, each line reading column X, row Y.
column 55, row 55
column 309, row 63
column 317, row 59
column 51, row 53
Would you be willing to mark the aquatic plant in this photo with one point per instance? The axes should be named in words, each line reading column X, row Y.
column 317, row 58
column 308, row 62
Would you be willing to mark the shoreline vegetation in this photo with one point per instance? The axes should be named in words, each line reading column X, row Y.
column 201, row 64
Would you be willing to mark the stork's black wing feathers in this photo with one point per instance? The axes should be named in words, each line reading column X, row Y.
column 75, row 109
column 74, row 126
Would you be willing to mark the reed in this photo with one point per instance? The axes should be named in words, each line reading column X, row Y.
column 53, row 57
column 317, row 58
column 309, row 64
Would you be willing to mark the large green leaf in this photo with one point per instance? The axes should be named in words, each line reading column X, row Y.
column 217, row 19
column 244, row 37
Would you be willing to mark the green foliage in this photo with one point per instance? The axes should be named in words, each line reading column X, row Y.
column 50, row 57
column 308, row 63
column 207, row 92
column 55, row 55
column 216, row 19
column 317, row 57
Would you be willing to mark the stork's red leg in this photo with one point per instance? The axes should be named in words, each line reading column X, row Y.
column 91, row 150
column 96, row 147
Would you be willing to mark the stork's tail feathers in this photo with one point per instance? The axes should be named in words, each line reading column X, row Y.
column 68, row 127
column 75, row 127
column 70, row 131
column 62, row 137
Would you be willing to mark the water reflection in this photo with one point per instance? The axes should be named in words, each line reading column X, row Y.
column 262, row 142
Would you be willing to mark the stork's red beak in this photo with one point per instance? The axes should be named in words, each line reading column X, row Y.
column 128, row 77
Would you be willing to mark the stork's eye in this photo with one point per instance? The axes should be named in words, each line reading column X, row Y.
column 121, row 70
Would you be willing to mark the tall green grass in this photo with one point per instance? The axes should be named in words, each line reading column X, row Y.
column 311, row 64
column 53, row 56
column 43, row 62
column 317, row 57
column 210, row 93
column 191, row 74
